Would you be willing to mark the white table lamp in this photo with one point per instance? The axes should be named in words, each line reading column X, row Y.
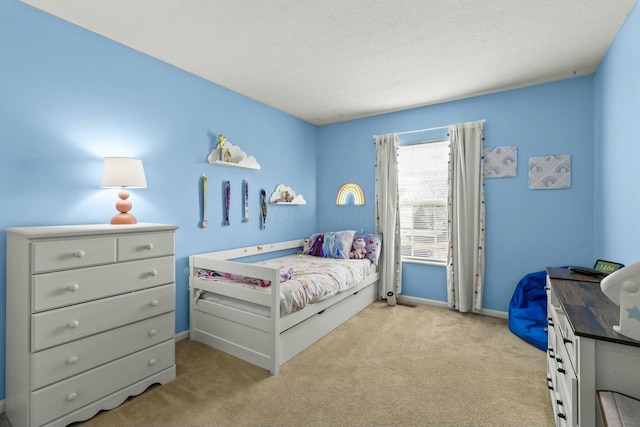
column 123, row 172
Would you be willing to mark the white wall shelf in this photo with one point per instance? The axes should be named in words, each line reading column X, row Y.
column 228, row 154
column 234, row 165
column 284, row 195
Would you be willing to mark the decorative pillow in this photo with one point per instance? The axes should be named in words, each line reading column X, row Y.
column 334, row 244
column 373, row 243
column 338, row 244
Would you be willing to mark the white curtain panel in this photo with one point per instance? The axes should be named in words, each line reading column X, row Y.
column 465, row 261
column 387, row 214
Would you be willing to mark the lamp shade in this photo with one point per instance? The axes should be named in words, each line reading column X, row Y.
column 122, row 172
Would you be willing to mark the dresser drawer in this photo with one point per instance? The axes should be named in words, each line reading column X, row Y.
column 145, row 246
column 58, row 363
column 66, row 324
column 551, row 355
column 66, row 396
column 72, row 253
column 570, row 343
column 61, row 288
column 567, row 385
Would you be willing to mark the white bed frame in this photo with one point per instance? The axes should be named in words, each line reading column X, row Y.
column 265, row 342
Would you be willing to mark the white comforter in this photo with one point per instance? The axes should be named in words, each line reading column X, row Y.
column 312, row 279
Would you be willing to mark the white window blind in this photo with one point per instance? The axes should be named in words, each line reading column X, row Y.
column 422, row 180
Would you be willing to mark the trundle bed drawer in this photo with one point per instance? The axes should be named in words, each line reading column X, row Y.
column 61, row 398
column 302, row 335
column 58, row 363
column 66, row 324
column 242, row 332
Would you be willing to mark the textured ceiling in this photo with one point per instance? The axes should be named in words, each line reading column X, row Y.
column 328, row 61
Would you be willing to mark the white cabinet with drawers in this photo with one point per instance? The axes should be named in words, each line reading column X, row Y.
column 585, row 354
column 90, row 318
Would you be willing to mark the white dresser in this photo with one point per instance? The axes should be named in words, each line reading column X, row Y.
column 585, row 354
column 90, row 318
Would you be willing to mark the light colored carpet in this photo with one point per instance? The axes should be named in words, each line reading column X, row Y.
column 387, row 366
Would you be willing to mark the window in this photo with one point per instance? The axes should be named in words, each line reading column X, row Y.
column 423, row 186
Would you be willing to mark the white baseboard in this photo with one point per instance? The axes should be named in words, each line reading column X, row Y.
column 421, row 301
column 495, row 313
column 182, row 336
column 436, row 303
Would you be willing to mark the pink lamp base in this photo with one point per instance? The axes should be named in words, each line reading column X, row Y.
column 124, row 218
column 124, row 206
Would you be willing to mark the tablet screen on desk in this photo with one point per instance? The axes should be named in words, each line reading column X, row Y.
column 607, row 267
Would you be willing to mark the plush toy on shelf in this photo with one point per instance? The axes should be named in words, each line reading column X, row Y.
column 359, row 249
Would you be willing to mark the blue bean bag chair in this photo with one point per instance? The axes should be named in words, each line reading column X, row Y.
column 528, row 310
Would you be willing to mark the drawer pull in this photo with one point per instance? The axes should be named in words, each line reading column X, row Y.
column 73, row 324
column 153, row 273
column 72, row 360
column 567, row 341
column 561, row 415
column 152, row 362
column 153, row 303
column 549, row 383
column 72, row 396
column 78, row 254
column 73, row 287
column 561, row 370
column 148, row 246
column 552, row 354
column 152, row 332
column 559, row 402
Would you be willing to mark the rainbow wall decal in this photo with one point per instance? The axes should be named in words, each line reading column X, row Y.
column 350, row 190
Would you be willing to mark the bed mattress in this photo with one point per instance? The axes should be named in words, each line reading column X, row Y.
column 304, row 279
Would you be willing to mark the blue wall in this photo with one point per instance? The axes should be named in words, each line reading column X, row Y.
column 69, row 97
column 617, row 146
column 526, row 230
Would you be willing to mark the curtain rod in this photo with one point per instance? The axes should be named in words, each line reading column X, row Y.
column 422, row 130
column 418, row 130
column 430, row 129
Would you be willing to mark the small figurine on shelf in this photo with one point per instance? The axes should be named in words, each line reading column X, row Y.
column 221, row 141
column 286, row 196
